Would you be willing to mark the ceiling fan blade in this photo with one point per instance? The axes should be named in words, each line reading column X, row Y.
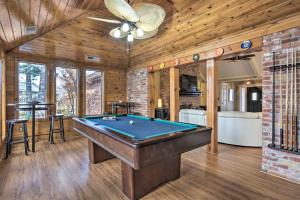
column 121, row 9
column 112, row 33
column 112, row 21
column 147, row 34
column 151, row 16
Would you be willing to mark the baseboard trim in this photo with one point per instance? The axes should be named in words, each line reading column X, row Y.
column 277, row 176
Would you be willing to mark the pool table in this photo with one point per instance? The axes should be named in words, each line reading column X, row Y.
column 149, row 149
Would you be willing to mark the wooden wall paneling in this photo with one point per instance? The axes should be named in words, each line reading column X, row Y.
column 114, row 83
column 174, row 93
column 115, row 86
column 204, row 55
column 212, row 103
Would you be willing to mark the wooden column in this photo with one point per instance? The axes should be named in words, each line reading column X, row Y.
column 81, row 92
column 212, row 103
column 154, row 82
column 174, row 93
column 151, row 95
column 3, row 99
column 156, row 87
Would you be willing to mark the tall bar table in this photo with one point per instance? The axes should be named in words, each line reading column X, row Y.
column 116, row 105
column 32, row 107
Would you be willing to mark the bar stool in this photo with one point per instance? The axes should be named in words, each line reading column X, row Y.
column 52, row 130
column 9, row 139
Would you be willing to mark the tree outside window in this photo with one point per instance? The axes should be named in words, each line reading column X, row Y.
column 32, row 86
column 66, row 91
column 93, row 91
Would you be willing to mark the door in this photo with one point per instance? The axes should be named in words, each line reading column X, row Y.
column 254, row 99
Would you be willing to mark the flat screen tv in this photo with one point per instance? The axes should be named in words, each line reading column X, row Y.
column 188, row 85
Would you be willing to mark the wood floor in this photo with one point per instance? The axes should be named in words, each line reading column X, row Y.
column 62, row 171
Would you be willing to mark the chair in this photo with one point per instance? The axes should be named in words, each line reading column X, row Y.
column 9, row 139
column 52, row 130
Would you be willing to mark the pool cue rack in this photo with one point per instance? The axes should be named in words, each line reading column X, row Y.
column 283, row 67
column 288, row 139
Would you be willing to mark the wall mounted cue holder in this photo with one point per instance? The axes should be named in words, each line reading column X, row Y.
column 283, row 67
column 273, row 69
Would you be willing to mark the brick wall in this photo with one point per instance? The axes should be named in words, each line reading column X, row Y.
column 282, row 164
column 138, row 89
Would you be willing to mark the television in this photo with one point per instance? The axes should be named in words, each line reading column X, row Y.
column 188, row 85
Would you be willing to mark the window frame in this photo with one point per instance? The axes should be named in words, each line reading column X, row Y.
column 102, row 89
column 77, row 92
column 16, row 92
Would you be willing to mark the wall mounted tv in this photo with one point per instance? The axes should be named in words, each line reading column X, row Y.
column 188, row 85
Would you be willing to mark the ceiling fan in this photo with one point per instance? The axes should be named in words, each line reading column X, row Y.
column 236, row 58
column 138, row 22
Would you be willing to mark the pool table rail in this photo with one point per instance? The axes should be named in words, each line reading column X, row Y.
column 138, row 143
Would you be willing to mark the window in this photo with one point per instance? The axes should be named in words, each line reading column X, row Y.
column 231, row 95
column 66, row 91
column 93, row 92
column 32, row 86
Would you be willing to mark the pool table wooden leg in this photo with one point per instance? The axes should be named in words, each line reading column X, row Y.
column 98, row 154
column 138, row 183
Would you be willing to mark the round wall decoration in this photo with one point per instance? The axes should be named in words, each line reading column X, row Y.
column 220, row 51
column 196, row 57
column 162, row 65
column 246, row 44
column 150, row 68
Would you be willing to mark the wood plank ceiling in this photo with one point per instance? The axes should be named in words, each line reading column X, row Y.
column 194, row 23
column 65, row 32
column 15, row 15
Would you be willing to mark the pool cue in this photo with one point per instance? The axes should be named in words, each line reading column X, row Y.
column 295, row 138
column 292, row 103
column 286, row 136
column 281, row 118
column 273, row 103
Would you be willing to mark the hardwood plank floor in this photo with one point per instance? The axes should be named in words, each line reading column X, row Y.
column 62, row 171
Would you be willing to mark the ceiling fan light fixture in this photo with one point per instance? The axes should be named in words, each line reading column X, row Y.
column 130, row 37
column 117, row 33
column 139, row 32
column 125, row 27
